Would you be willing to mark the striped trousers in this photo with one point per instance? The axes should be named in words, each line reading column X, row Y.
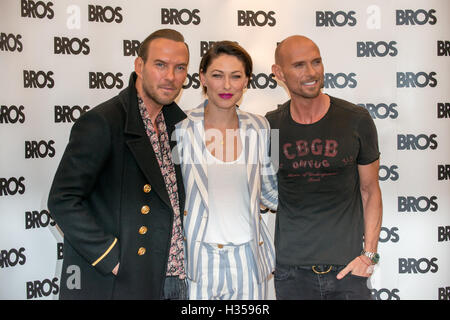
column 227, row 272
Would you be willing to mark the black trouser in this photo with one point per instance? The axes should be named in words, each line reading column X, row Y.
column 174, row 289
column 318, row 283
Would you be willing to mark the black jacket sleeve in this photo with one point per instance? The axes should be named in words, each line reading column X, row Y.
column 87, row 152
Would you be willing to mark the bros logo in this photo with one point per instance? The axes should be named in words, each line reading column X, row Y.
column 60, row 251
column 64, row 45
column 38, row 219
column 10, row 42
column 413, row 204
column 385, row 294
column 443, row 48
column 259, row 18
column 108, row 80
column 12, row 114
column 106, row 14
column 205, row 45
column 385, row 173
column 42, row 288
column 131, row 47
column 340, row 80
column 69, row 114
column 444, row 293
column 183, row 16
column 39, row 149
column 443, row 233
column 335, row 19
column 443, row 110
column 376, row 49
column 12, row 186
column 381, row 110
column 38, row 79
column 12, row 257
column 389, row 234
column 411, row 17
column 262, row 81
column 192, row 81
column 421, row 142
column 420, row 79
column 443, row 171
column 36, row 9
column 422, row 265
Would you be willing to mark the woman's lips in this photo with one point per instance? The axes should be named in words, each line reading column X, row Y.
column 225, row 95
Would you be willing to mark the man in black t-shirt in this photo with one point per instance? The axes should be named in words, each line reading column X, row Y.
column 330, row 208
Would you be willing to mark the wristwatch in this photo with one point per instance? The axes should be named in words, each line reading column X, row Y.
column 373, row 256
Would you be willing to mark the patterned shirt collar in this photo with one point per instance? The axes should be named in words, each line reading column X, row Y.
column 145, row 115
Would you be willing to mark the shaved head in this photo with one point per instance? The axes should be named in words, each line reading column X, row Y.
column 286, row 46
column 298, row 64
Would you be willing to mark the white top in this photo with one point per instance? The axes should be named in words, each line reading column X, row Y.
column 228, row 201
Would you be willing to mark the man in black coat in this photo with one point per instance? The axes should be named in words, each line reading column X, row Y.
column 117, row 195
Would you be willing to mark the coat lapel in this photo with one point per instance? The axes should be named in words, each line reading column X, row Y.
column 137, row 140
column 172, row 115
column 145, row 157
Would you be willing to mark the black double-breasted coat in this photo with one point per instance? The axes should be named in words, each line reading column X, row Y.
column 110, row 200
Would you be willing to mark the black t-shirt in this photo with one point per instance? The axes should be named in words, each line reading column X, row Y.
column 320, row 213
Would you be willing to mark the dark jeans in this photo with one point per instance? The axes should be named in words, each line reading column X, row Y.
column 302, row 283
column 174, row 289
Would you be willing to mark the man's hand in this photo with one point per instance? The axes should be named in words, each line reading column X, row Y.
column 360, row 266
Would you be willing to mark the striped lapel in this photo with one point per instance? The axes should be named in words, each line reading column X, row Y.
column 251, row 147
column 196, row 152
column 250, row 131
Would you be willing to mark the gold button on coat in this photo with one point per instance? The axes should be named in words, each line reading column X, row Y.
column 143, row 230
column 141, row 251
column 147, row 188
column 185, row 212
column 145, row 209
column 261, row 243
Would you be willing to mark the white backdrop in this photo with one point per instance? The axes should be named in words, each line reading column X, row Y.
column 391, row 57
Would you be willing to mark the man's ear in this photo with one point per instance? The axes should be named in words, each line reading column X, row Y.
column 138, row 66
column 276, row 70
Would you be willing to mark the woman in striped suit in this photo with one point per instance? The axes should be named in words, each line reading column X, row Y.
column 227, row 173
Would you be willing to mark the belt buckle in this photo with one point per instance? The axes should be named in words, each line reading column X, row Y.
column 321, row 272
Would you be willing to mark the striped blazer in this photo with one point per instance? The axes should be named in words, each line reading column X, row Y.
column 261, row 177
